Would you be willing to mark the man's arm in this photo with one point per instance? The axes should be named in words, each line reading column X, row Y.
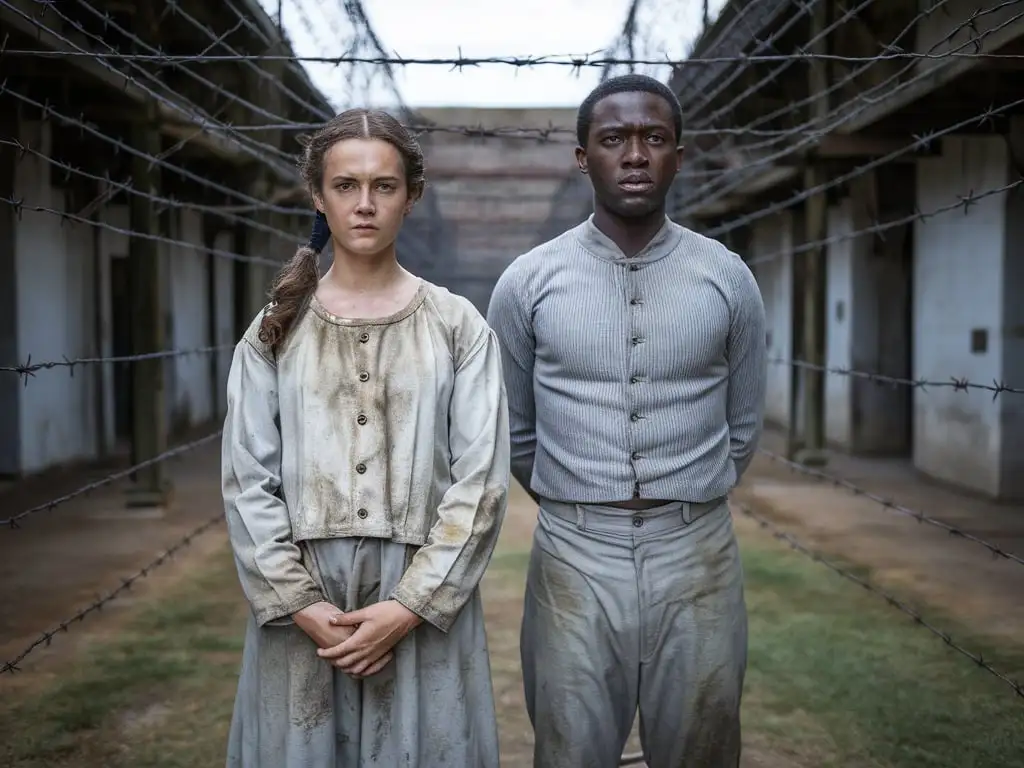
column 510, row 314
column 748, row 370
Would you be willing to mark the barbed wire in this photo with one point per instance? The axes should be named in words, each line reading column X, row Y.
column 956, row 383
column 852, row 108
column 99, row 603
column 15, row 520
column 890, row 504
column 886, row 88
column 920, row 143
column 19, row 206
column 878, row 227
column 892, row 600
column 29, row 369
column 459, row 62
column 262, row 152
column 164, row 202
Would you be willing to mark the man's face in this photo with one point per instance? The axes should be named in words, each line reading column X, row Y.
column 631, row 154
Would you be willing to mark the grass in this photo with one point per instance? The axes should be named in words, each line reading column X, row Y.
column 836, row 678
column 879, row 690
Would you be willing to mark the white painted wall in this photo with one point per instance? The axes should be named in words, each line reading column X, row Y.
column 189, row 308
column 839, row 317
column 224, row 309
column 65, row 310
column 773, row 236
column 958, row 274
column 113, row 245
column 55, row 316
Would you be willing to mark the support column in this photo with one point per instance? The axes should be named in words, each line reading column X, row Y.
column 1011, row 411
column 815, row 287
column 149, row 415
column 10, row 385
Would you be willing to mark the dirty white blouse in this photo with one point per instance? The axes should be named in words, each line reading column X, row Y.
column 394, row 428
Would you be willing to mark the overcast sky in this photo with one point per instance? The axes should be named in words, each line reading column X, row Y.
column 482, row 28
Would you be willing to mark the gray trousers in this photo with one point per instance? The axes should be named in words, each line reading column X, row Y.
column 628, row 609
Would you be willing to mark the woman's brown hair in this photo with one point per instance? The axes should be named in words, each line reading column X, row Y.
column 298, row 279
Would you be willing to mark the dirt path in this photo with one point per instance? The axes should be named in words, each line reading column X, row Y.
column 921, row 562
column 62, row 559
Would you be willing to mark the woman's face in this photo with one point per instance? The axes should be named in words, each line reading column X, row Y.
column 364, row 195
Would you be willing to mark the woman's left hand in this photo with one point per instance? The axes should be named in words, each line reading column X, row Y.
column 379, row 627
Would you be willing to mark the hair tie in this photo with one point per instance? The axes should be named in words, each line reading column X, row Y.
column 321, row 234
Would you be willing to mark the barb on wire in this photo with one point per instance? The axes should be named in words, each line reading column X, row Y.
column 895, row 602
column 888, row 503
column 851, row 109
column 890, row 85
column 121, row 146
column 954, row 383
column 46, row 637
column 112, row 187
column 460, row 62
column 19, row 206
column 877, row 228
column 29, row 369
column 15, row 521
column 179, row 105
column 836, row 181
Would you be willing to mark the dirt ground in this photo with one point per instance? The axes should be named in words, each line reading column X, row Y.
column 924, row 563
column 61, row 560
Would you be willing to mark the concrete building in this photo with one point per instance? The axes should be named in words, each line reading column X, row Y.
column 494, row 192
column 877, row 200
column 77, row 174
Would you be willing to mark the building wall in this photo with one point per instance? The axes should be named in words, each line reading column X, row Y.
column 56, row 307
column 67, row 308
column 189, row 313
column 840, row 311
column 494, row 217
column 772, row 236
column 867, row 319
column 958, row 279
column 1012, row 405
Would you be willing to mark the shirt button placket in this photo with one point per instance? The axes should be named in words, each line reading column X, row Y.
column 364, row 376
column 636, row 339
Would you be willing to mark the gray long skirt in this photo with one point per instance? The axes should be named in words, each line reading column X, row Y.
column 431, row 707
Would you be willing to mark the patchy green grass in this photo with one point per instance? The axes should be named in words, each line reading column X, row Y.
column 159, row 694
column 835, row 669
column 836, row 678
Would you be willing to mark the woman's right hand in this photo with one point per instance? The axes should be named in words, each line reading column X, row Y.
column 315, row 621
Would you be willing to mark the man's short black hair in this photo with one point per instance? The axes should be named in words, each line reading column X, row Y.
column 626, row 84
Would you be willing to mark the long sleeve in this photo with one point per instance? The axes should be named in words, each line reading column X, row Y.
column 269, row 564
column 447, row 569
column 748, row 372
column 509, row 314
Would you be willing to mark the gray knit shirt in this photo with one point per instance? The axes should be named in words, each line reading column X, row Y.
column 631, row 377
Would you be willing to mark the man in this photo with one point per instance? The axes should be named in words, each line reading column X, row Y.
column 634, row 358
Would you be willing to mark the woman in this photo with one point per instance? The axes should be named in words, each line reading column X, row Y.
column 365, row 479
